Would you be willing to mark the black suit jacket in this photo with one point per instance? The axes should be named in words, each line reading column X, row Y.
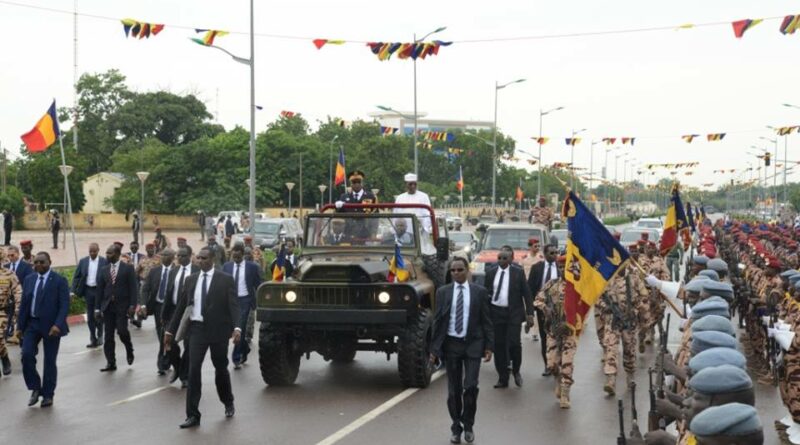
column 82, row 273
column 536, row 277
column 150, row 287
column 123, row 289
column 169, row 306
column 220, row 310
column 520, row 301
column 480, row 331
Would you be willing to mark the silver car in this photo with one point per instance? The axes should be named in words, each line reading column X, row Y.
column 269, row 232
column 464, row 244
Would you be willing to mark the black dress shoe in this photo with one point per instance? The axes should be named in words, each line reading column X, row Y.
column 518, row 379
column 109, row 367
column 501, row 384
column 174, row 376
column 129, row 356
column 244, row 359
column 469, row 436
column 99, row 342
column 47, row 401
column 92, row 344
column 237, row 365
column 230, row 410
column 547, row 373
column 455, row 438
column 190, row 422
column 6, row 364
column 137, row 323
column 162, row 372
column 34, row 398
column 184, row 384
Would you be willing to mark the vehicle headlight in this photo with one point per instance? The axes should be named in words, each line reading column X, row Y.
column 291, row 296
column 383, row 297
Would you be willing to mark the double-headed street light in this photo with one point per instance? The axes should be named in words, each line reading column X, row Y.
column 142, row 177
column 497, row 87
column 322, row 188
column 539, row 140
column 290, row 186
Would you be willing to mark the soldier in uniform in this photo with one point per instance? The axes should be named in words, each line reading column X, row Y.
column 542, row 214
column 562, row 343
column 652, row 308
column 357, row 228
column 620, row 302
column 161, row 242
column 10, row 295
column 27, row 251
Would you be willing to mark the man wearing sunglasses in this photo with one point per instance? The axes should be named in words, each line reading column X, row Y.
column 462, row 334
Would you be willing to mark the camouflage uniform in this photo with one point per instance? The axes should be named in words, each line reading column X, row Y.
column 614, row 330
column 651, row 310
column 9, row 289
column 544, row 216
column 562, row 343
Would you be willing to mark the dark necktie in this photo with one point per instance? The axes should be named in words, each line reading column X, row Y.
column 546, row 273
column 162, row 286
column 499, row 285
column 460, row 310
column 236, row 278
column 204, row 292
column 37, row 297
column 180, row 283
column 14, row 267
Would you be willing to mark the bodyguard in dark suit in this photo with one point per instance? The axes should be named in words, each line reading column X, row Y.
column 42, row 318
column 84, row 285
column 215, row 312
column 22, row 269
column 151, row 301
column 462, row 334
column 117, row 284
column 246, row 278
column 511, row 305
column 536, row 282
column 177, row 279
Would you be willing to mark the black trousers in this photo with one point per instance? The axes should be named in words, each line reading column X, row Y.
column 177, row 360
column 542, row 334
column 95, row 328
column 161, row 362
column 55, row 239
column 462, row 384
column 8, row 236
column 507, row 343
column 116, row 319
column 200, row 342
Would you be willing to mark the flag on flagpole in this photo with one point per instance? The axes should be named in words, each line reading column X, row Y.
column 44, row 133
column 460, row 180
column 520, row 194
column 675, row 224
column 339, row 179
column 279, row 271
column 690, row 216
column 594, row 256
column 397, row 268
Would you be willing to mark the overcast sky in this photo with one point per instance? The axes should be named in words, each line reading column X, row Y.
column 654, row 86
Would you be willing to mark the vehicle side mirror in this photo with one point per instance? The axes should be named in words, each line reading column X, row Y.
column 443, row 249
column 282, row 233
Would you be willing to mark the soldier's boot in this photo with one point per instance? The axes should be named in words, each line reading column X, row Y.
column 611, row 384
column 641, row 346
column 12, row 340
column 558, row 389
column 6, row 365
column 564, row 399
column 629, row 379
column 648, row 339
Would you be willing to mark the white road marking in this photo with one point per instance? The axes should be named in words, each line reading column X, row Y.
column 140, row 396
column 366, row 418
column 84, row 352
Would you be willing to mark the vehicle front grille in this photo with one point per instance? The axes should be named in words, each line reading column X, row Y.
column 327, row 296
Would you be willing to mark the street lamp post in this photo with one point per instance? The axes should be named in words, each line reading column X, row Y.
column 322, row 188
column 539, row 169
column 774, row 176
column 416, row 159
column 290, row 186
column 142, row 178
column 497, row 87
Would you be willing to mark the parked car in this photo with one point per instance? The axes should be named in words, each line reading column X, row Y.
column 464, row 244
column 498, row 235
column 650, row 223
column 631, row 235
column 561, row 236
column 269, row 232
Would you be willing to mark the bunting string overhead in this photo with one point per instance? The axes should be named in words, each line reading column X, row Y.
column 785, row 131
column 319, row 43
column 673, row 165
column 208, row 36
column 715, row 136
column 413, row 51
column 741, row 26
column 573, row 141
column 541, row 141
column 134, row 28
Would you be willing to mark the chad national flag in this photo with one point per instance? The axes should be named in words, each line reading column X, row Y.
column 44, row 133
column 279, row 271
column 593, row 257
column 339, row 179
column 460, row 180
column 675, row 224
column 397, row 267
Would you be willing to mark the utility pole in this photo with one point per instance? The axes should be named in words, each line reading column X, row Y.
column 5, row 168
column 301, row 188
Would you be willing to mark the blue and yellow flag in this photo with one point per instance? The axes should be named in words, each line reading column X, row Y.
column 279, row 271
column 593, row 257
column 397, row 268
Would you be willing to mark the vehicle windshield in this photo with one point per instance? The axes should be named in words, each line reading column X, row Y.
column 460, row 239
column 631, row 236
column 561, row 235
column 651, row 224
column 516, row 238
column 267, row 228
column 361, row 229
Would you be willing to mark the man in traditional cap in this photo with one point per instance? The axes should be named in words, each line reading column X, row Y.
column 414, row 196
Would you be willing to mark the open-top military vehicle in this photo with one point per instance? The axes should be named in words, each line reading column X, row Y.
column 345, row 298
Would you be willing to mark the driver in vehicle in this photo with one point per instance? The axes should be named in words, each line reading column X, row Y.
column 337, row 235
column 400, row 235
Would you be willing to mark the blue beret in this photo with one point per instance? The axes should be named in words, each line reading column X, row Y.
column 710, row 274
column 789, row 273
column 732, row 419
column 696, row 284
column 796, row 284
column 702, row 341
column 700, row 259
column 720, row 379
column 714, row 323
column 717, row 357
column 717, row 265
column 724, row 290
column 794, row 278
column 711, row 306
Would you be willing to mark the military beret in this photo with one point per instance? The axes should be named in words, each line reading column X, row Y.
column 732, row 419
column 720, row 379
column 159, row 228
column 118, row 243
column 149, row 245
column 714, row 323
column 711, row 274
column 796, row 284
column 700, row 259
column 717, row 357
column 788, row 273
column 724, row 290
column 696, row 284
column 26, row 242
column 711, row 306
column 702, row 341
column 180, row 238
column 717, row 264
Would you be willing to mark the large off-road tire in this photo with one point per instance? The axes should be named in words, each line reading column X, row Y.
column 279, row 364
column 413, row 351
column 435, row 269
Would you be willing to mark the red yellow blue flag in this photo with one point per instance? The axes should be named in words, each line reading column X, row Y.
column 279, row 271
column 397, row 267
column 339, row 179
column 44, row 133
column 594, row 256
column 675, row 224
column 460, row 180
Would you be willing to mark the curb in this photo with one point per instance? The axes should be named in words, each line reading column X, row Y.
column 76, row 319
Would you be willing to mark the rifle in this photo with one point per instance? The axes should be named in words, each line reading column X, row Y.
column 653, row 419
column 775, row 350
column 635, row 433
column 621, row 440
column 662, row 350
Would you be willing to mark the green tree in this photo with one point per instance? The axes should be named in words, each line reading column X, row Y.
column 13, row 201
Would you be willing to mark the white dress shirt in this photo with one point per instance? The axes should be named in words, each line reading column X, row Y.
column 550, row 272
column 502, row 297
column 197, row 309
column 177, row 283
column 91, row 274
column 242, row 290
column 451, row 328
